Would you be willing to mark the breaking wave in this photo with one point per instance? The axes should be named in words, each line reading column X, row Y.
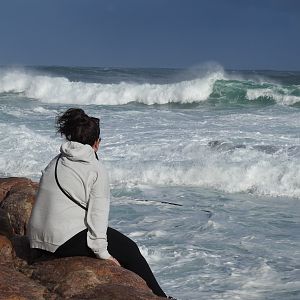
column 215, row 85
column 62, row 90
column 256, row 170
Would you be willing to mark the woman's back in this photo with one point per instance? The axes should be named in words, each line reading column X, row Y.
column 55, row 218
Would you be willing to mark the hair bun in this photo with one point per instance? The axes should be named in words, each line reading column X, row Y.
column 76, row 125
column 81, row 119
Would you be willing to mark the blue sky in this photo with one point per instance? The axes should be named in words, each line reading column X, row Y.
column 237, row 34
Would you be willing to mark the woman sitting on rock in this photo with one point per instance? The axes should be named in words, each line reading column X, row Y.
column 70, row 215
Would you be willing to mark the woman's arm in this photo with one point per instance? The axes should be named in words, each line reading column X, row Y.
column 97, row 214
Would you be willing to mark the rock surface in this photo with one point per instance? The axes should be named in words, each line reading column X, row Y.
column 15, row 285
column 17, row 198
column 5, row 225
column 53, row 279
column 7, row 253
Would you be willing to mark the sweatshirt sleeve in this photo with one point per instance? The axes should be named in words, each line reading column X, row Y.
column 97, row 214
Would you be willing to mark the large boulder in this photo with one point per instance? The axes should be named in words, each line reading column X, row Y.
column 18, row 196
column 89, row 278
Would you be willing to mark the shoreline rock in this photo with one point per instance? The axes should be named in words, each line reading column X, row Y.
column 53, row 279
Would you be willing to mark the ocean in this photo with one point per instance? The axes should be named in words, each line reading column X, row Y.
column 204, row 166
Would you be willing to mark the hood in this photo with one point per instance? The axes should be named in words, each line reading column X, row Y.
column 77, row 152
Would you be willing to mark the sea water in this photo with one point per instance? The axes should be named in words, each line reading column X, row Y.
column 224, row 146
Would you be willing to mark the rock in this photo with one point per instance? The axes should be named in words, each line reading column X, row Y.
column 89, row 278
column 7, row 183
column 5, row 225
column 50, row 278
column 7, row 253
column 116, row 292
column 22, row 247
column 19, row 243
column 19, row 198
column 16, row 286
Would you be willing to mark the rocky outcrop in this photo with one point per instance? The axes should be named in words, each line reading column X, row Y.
column 53, row 279
column 17, row 198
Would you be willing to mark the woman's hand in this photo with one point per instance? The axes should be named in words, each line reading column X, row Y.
column 115, row 261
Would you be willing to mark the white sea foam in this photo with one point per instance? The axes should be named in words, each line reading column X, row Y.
column 61, row 90
column 50, row 89
column 22, row 112
column 254, row 283
column 24, row 152
column 152, row 255
column 280, row 98
column 44, row 111
column 241, row 170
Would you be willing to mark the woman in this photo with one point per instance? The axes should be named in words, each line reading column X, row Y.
column 70, row 215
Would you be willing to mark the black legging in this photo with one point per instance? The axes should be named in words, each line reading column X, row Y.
column 121, row 248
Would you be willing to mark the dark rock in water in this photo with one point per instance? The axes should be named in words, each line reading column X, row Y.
column 53, row 279
column 225, row 146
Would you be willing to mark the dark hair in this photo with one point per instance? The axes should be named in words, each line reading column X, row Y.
column 77, row 126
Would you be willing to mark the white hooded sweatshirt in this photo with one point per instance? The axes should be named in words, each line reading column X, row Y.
column 55, row 218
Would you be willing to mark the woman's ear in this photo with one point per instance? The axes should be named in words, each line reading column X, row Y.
column 96, row 145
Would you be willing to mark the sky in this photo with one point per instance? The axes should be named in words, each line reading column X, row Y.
column 237, row 34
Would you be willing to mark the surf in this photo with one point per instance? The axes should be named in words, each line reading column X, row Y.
column 214, row 86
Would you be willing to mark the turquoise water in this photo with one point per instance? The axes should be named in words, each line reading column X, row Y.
column 224, row 145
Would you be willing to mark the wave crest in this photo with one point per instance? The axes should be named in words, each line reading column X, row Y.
column 280, row 98
column 214, row 85
column 61, row 90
